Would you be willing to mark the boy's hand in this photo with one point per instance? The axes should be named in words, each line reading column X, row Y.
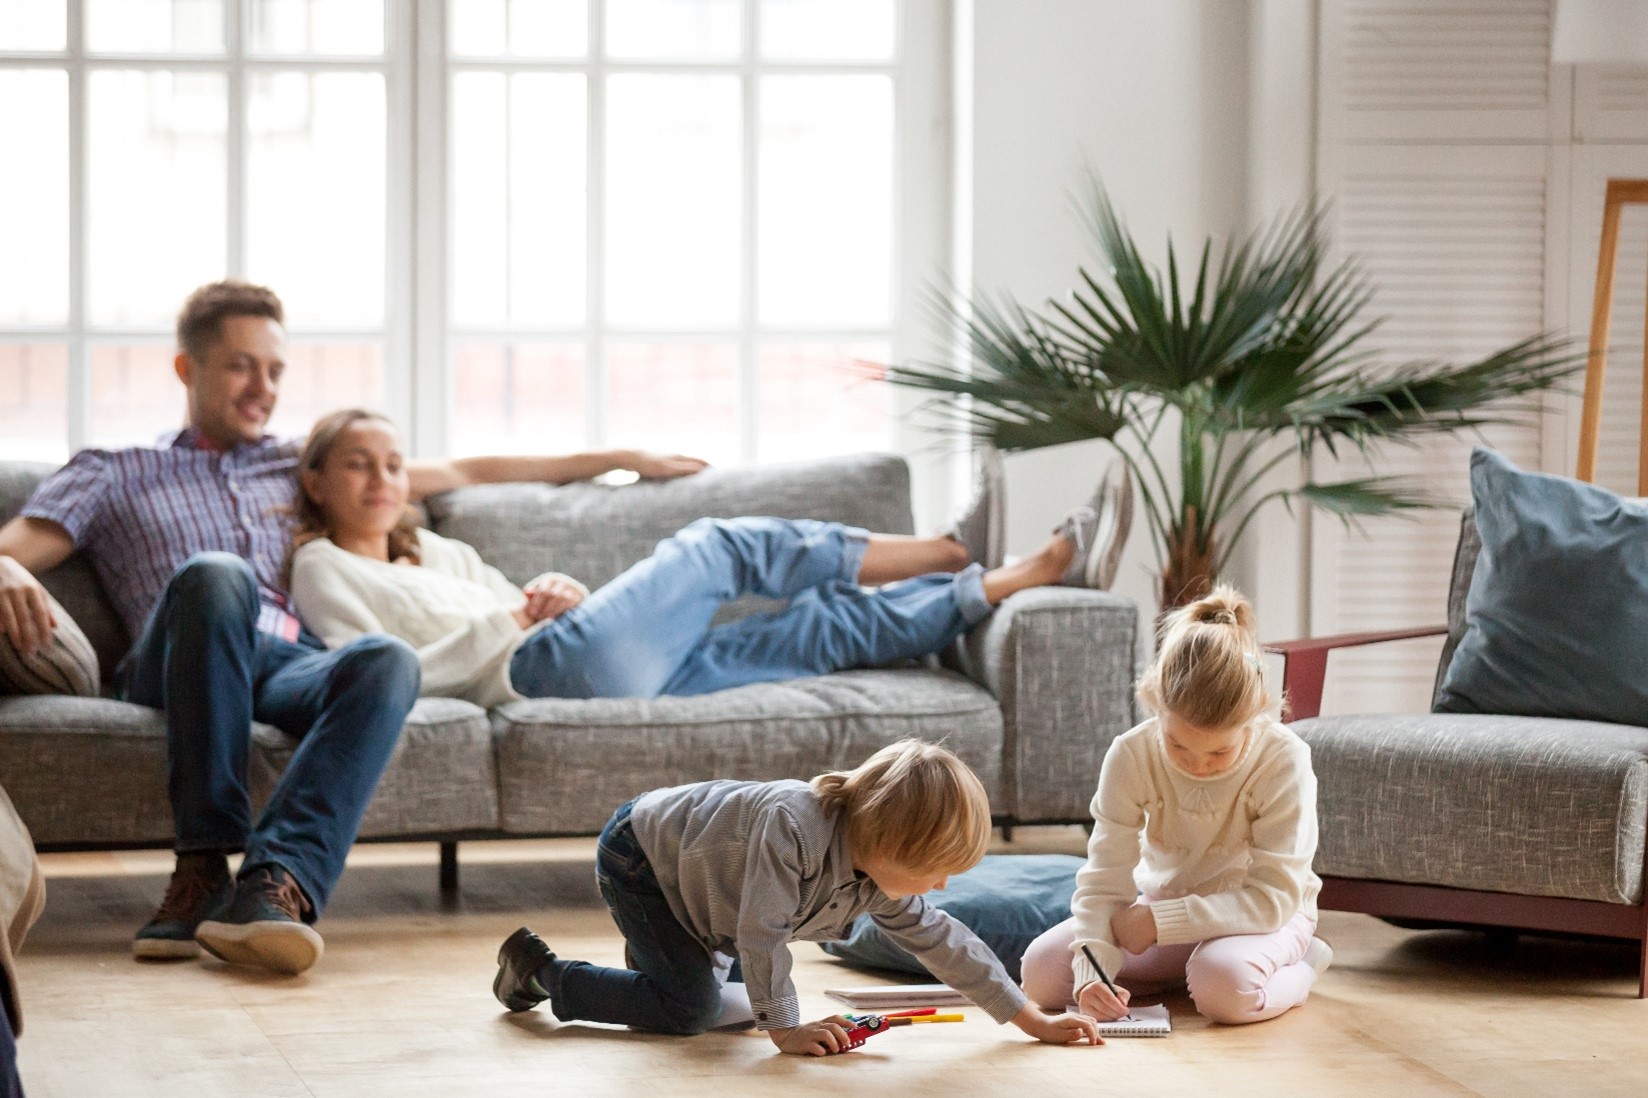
column 1097, row 1001
column 1134, row 928
column 813, row 1038
column 1060, row 1029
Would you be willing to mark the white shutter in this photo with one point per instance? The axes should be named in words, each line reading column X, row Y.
column 1610, row 103
column 1453, row 238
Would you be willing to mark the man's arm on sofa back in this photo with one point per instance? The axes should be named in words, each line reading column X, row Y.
column 1062, row 663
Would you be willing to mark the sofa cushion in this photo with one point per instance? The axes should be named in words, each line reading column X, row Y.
column 441, row 778
column 594, row 532
column 1528, row 805
column 1558, row 604
column 86, row 770
column 565, row 764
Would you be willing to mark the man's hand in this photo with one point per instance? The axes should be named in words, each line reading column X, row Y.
column 1057, row 1029
column 813, row 1038
column 652, row 466
column 1096, row 1001
column 549, row 597
column 1134, row 928
column 25, row 612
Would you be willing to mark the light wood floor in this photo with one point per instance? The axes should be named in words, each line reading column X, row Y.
column 401, row 1004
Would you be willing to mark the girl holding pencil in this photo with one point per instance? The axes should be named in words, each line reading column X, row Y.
column 1199, row 868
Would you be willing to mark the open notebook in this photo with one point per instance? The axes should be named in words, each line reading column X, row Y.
column 898, row 996
column 1141, row 1021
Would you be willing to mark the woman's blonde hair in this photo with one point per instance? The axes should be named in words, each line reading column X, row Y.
column 914, row 804
column 1208, row 671
column 309, row 521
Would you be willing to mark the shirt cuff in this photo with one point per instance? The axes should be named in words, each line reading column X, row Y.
column 1107, row 953
column 782, row 1013
column 1005, row 1004
column 1172, row 922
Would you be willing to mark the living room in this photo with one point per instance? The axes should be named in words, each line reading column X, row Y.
column 707, row 227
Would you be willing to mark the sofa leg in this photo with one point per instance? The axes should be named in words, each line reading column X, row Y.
column 1642, row 962
column 1006, row 833
column 449, row 868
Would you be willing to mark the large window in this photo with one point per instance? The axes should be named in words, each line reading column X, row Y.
column 529, row 225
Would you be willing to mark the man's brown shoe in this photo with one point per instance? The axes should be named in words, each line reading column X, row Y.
column 200, row 884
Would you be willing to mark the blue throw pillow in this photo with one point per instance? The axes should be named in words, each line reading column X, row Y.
column 1557, row 613
column 1008, row 900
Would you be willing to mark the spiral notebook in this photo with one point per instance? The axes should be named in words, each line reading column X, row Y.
column 1141, row 1021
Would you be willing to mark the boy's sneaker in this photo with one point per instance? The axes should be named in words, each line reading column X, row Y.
column 200, row 884
column 519, row 959
column 1318, row 955
column 982, row 526
column 263, row 925
column 1099, row 530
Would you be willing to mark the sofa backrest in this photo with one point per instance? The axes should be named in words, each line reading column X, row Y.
column 72, row 583
column 594, row 532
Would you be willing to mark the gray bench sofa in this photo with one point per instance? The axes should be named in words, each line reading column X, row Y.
column 1031, row 698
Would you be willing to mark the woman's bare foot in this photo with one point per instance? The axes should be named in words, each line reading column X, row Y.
column 1043, row 568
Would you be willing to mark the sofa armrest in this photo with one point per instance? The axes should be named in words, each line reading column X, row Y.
column 1305, row 664
column 1061, row 661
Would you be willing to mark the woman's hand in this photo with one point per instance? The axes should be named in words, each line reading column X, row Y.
column 1057, row 1029
column 652, row 466
column 813, row 1038
column 1134, row 928
column 1097, row 1001
column 548, row 597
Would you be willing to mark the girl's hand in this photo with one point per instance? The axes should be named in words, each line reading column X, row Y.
column 1134, row 928
column 1057, row 1029
column 1097, row 1001
column 549, row 597
column 813, row 1038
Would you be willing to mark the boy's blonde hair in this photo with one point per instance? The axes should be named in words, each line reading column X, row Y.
column 914, row 804
column 1208, row 672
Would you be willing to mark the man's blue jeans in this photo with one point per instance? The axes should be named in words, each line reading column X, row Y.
column 202, row 660
column 648, row 632
column 673, row 984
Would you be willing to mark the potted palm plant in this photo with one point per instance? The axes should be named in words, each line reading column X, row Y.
column 1263, row 356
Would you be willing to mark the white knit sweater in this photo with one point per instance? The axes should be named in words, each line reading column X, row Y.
column 1226, row 854
column 454, row 608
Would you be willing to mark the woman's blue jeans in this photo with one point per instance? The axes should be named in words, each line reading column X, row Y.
column 648, row 632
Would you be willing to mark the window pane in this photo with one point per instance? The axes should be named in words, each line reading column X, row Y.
column 323, row 377
column 136, row 396
column 674, row 397
column 34, row 402
column 520, row 28
column 156, row 207
column 315, row 194
column 673, row 196
column 33, row 24
column 694, row 30
column 34, row 204
column 154, row 26
column 818, row 399
column 826, row 218
column 518, row 198
column 352, row 27
column 518, row 398
column 855, row 30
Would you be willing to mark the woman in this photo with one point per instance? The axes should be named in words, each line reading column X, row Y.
column 359, row 566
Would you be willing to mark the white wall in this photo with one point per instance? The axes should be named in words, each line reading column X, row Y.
column 1155, row 96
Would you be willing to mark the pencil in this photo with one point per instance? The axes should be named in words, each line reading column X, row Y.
column 1094, row 961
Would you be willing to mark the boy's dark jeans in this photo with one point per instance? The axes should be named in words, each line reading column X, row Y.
column 671, row 984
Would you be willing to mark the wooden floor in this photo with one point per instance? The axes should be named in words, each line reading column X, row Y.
column 401, row 1005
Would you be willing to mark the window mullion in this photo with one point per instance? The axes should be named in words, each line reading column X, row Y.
column 595, row 371
column 79, row 365
column 749, row 379
column 235, row 147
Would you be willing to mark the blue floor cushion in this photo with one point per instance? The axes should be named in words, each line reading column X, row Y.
column 1008, row 900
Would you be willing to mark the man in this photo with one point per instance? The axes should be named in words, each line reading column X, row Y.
column 188, row 539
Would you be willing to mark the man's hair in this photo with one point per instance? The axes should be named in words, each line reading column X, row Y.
column 201, row 322
column 1208, row 672
column 914, row 804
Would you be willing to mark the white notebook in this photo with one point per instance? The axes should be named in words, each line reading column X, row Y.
column 1141, row 1021
column 898, row 996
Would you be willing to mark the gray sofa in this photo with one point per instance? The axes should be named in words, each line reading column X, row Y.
column 1526, row 823
column 1031, row 698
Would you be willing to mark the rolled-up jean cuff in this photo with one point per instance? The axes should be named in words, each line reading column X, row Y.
column 970, row 598
column 854, row 541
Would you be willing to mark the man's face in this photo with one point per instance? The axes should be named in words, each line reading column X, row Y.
column 232, row 393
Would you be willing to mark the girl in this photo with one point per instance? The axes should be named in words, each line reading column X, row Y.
column 699, row 874
column 1199, row 868
column 648, row 631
